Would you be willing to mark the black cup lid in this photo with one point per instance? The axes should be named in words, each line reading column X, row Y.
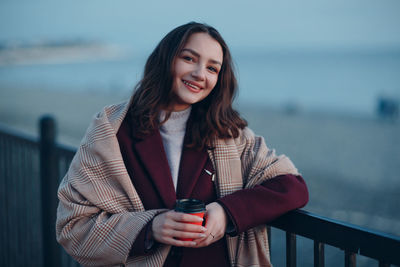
column 189, row 205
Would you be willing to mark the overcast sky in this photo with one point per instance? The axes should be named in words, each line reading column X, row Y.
column 306, row 23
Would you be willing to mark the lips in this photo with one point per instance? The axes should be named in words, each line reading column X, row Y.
column 192, row 86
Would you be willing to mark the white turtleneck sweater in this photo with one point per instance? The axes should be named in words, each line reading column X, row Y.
column 173, row 133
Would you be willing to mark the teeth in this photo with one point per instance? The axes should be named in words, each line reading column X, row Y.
column 191, row 85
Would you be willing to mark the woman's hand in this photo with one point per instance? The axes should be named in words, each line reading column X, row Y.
column 216, row 221
column 170, row 225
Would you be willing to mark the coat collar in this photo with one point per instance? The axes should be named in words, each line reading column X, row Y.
column 190, row 168
column 150, row 149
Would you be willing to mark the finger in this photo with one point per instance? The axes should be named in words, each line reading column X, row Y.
column 184, row 217
column 201, row 239
column 204, row 241
column 212, row 235
column 189, row 227
column 179, row 243
column 184, row 235
column 174, row 233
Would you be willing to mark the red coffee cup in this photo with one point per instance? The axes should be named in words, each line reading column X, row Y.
column 191, row 206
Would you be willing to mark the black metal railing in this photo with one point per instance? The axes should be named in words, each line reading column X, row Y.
column 352, row 239
column 31, row 168
column 30, row 171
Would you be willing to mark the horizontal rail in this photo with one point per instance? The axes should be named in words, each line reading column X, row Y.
column 346, row 236
column 18, row 135
column 21, row 137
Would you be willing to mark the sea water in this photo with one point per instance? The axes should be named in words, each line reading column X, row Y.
column 344, row 81
column 335, row 81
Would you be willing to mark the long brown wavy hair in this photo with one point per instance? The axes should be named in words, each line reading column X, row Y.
column 212, row 117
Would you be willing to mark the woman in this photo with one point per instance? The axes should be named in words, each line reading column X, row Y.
column 177, row 138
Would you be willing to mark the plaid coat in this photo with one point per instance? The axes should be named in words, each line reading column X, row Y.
column 100, row 214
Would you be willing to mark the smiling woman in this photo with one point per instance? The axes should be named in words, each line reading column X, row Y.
column 177, row 138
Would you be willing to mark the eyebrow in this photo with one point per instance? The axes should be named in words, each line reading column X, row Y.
column 198, row 55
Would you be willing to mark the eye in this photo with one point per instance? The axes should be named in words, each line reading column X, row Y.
column 187, row 58
column 213, row 69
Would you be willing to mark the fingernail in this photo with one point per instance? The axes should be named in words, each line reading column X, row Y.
column 194, row 243
column 203, row 229
column 202, row 235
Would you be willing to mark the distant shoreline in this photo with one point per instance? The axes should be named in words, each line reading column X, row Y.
column 60, row 52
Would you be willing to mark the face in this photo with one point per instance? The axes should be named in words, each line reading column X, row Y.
column 195, row 70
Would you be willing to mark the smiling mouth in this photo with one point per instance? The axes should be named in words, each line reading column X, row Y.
column 192, row 86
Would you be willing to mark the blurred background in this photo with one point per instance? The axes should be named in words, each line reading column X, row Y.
column 320, row 80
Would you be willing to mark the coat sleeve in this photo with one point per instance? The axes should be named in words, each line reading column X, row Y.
column 93, row 234
column 268, row 201
column 272, row 185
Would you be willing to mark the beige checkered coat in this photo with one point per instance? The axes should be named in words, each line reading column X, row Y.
column 100, row 213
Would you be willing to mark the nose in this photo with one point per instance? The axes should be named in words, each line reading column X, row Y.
column 199, row 73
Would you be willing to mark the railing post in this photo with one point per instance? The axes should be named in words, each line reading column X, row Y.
column 49, row 182
column 290, row 249
column 319, row 254
column 349, row 259
column 269, row 241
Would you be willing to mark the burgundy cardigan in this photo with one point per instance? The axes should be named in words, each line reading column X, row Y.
column 146, row 162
